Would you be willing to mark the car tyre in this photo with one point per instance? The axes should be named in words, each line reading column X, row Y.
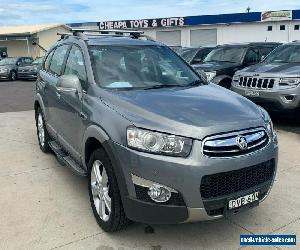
column 104, row 193
column 13, row 75
column 42, row 133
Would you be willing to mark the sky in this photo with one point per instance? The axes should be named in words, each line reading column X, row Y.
column 18, row 12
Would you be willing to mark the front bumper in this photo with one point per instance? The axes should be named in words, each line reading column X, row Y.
column 27, row 75
column 4, row 75
column 183, row 175
column 273, row 99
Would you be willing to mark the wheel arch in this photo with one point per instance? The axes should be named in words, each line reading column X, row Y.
column 95, row 137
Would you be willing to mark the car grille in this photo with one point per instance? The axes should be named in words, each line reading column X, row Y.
column 226, row 145
column 226, row 183
column 256, row 83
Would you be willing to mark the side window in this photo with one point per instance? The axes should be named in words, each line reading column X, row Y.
column 75, row 66
column 252, row 56
column 58, row 59
column 48, row 61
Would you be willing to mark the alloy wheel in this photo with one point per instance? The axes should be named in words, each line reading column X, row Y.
column 100, row 190
column 41, row 131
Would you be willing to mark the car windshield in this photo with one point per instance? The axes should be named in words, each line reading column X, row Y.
column 8, row 60
column 188, row 54
column 226, row 54
column 134, row 67
column 38, row 60
column 284, row 54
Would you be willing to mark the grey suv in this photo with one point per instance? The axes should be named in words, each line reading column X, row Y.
column 158, row 143
column 275, row 82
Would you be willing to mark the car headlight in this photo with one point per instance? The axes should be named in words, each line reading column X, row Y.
column 4, row 70
column 236, row 78
column 211, row 75
column 158, row 143
column 268, row 122
column 289, row 81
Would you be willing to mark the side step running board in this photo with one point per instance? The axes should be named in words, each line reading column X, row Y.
column 66, row 160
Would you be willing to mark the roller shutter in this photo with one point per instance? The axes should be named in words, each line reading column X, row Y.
column 203, row 37
column 171, row 38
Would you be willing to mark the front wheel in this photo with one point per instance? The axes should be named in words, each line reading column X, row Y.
column 104, row 193
column 13, row 76
column 42, row 133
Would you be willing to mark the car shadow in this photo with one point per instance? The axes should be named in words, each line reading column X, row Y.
column 287, row 121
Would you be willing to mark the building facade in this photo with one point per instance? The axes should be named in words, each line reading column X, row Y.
column 33, row 40
column 207, row 30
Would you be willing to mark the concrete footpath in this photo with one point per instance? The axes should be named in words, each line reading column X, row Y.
column 45, row 206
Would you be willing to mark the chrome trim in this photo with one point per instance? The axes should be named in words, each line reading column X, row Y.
column 220, row 141
column 146, row 183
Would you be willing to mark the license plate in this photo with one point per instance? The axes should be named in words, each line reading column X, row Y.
column 251, row 93
column 244, row 200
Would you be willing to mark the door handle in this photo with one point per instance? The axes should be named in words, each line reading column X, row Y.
column 58, row 95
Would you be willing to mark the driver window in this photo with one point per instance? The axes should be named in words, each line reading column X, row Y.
column 75, row 66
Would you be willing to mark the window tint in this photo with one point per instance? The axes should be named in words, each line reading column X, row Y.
column 27, row 60
column 48, row 60
column 252, row 56
column 58, row 59
column 202, row 54
column 75, row 66
column 226, row 54
column 139, row 67
column 264, row 51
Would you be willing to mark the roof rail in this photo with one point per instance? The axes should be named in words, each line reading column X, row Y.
column 118, row 32
column 113, row 32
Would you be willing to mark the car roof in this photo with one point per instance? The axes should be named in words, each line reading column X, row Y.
column 250, row 44
column 122, row 40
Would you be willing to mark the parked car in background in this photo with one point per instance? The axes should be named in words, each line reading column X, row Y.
column 3, row 52
column 9, row 67
column 194, row 55
column 177, row 49
column 158, row 146
column 223, row 61
column 275, row 82
column 30, row 71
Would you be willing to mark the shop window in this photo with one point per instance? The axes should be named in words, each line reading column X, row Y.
column 297, row 27
column 270, row 28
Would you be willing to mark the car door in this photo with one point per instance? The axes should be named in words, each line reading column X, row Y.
column 48, row 77
column 69, row 110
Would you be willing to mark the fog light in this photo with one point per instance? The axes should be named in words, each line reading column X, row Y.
column 159, row 193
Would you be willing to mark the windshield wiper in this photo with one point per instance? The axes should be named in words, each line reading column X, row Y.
column 195, row 83
column 163, row 86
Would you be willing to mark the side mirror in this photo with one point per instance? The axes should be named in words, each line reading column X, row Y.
column 262, row 58
column 69, row 84
column 18, row 63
